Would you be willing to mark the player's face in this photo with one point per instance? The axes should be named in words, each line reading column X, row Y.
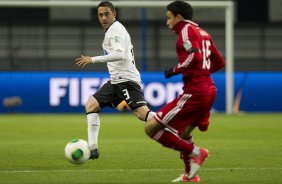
column 171, row 20
column 106, row 17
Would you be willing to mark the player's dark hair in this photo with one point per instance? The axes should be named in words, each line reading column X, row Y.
column 107, row 4
column 182, row 8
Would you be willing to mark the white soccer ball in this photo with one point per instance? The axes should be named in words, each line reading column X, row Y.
column 77, row 151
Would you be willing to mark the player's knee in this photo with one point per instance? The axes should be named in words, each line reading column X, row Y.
column 203, row 128
column 88, row 106
column 91, row 106
column 140, row 116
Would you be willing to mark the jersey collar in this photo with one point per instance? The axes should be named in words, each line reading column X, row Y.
column 178, row 27
column 110, row 26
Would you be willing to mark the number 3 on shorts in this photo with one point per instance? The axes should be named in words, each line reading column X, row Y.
column 126, row 94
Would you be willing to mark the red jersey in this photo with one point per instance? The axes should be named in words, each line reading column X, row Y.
column 198, row 57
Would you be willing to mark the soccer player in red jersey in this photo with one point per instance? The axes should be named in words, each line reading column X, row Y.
column 198, row 57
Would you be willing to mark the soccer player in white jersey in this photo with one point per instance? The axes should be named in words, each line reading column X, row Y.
column 125, row 80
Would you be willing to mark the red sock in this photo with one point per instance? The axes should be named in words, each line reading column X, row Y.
column 184, row 156
column 186, row 161
column 173, row 141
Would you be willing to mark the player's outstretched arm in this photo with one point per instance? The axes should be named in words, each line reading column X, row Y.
column 82, row 61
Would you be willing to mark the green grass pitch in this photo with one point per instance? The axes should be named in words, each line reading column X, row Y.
column 244, row 148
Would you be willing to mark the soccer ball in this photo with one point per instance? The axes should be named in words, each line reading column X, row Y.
column 77, row 151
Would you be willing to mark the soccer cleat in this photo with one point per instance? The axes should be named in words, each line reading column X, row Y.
column 94, row 154
column 197, row 161
column 184, row 178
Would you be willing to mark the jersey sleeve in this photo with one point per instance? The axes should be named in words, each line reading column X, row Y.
column 192, row 48
column 115, row 41
column 111, row 57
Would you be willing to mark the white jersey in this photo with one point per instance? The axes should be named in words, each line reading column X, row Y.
column 118, row 53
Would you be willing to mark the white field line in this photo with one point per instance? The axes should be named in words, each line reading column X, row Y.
column 127, row 170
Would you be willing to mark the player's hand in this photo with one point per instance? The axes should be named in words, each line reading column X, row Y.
column 169, row 72
column 83, row 61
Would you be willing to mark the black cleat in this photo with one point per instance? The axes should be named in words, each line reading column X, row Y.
column 94, row 154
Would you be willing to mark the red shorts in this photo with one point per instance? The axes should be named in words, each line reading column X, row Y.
column 187, row 110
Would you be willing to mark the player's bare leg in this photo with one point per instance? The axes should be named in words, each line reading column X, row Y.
column 144, row 113
column 188, row 132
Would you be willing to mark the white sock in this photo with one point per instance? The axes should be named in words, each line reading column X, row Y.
column 196, row 151
column 150, row 115
column 93, row 122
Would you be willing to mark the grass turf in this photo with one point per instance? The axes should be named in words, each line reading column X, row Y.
column 244, row 149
